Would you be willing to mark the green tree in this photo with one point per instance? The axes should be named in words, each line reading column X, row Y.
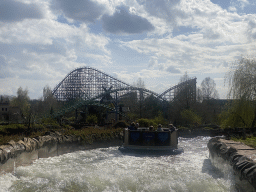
column 151, row 107
column 239, row 113
column 190, row 117
column 242, row 79
column 242, row 89
column 22, row 101
column 159, row 119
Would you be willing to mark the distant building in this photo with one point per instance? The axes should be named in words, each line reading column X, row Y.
column 9, row 113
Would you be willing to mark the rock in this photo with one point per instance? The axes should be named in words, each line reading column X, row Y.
column 30, row 144
column 250, row 174
column 3, row 156
column 8, row 151
column 17, row 147
column 233, row 152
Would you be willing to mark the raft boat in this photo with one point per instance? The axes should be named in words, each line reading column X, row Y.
column 144, row 141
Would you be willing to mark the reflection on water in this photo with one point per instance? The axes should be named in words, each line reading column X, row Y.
column 107, row 169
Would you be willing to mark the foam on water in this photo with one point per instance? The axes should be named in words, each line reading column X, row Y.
column 107, row 169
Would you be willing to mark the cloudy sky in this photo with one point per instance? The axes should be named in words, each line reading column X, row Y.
column 155, row 40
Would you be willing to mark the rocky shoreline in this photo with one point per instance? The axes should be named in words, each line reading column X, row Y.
column 25, row 151
column 239, row 157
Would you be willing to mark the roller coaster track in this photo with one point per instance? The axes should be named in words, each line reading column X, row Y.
column 86, row 86
column 72, row 105
column 77, row 105
column 88, row 83
column 190, row 84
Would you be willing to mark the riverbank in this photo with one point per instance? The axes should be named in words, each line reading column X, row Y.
column 17, row 132
column 237, row 155
column 246, row 136
column 54, row 142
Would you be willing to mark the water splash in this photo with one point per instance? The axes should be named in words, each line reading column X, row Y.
column 107, row 169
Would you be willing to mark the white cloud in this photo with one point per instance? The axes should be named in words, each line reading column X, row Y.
column 104, row 59
column 124, row 22
column 152, row 62
column 243, row 3
column 164, row 37
column 232, row 8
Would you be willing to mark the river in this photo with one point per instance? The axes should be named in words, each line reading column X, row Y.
column 107, row 169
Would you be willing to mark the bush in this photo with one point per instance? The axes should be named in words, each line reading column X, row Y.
column 190, row 117
column 144, row 122
column 50, row 122
column 160, row 119
column 90, row 134
column 12, row 126
column 92, row 119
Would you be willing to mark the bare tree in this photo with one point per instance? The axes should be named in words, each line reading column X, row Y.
column 208, row 89
column 185, row 77
column 139, row 83
column 48, row 99
column 199, row 95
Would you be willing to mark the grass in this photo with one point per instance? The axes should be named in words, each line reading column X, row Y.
column 17, row 132
column 91, row 134
column 250, row 141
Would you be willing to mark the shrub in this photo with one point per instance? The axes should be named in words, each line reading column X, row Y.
column 92, row 119
column 190, row 117
column 147, row 122
column 50, row 122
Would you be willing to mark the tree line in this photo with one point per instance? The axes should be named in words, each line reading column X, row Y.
column 238, row 110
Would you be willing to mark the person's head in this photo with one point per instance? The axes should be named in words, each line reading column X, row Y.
column 159, row 126
column 137, row 125
column 151, row 128
column 133, row 124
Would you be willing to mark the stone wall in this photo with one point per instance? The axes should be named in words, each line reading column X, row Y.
column 27, row 150
column 241, row 158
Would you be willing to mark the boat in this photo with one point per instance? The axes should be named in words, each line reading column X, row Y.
column 144, row 141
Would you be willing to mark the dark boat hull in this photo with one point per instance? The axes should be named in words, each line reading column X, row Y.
column 151, row 150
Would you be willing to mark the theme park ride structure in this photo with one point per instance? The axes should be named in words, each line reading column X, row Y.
column 89, row 86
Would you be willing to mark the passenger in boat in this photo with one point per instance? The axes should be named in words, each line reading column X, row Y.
column 159, row 128
column 137, row 126
column 172, row 128
column 132, row 126
column 151, row 128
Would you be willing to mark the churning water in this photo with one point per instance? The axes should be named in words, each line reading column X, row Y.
column 107, row 169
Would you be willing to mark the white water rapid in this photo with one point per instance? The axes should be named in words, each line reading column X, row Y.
column 107, row 169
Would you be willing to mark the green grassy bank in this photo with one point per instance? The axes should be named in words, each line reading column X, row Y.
column 88, row 134
column 250, row 141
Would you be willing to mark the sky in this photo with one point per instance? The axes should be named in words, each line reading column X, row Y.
column 41, row 41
